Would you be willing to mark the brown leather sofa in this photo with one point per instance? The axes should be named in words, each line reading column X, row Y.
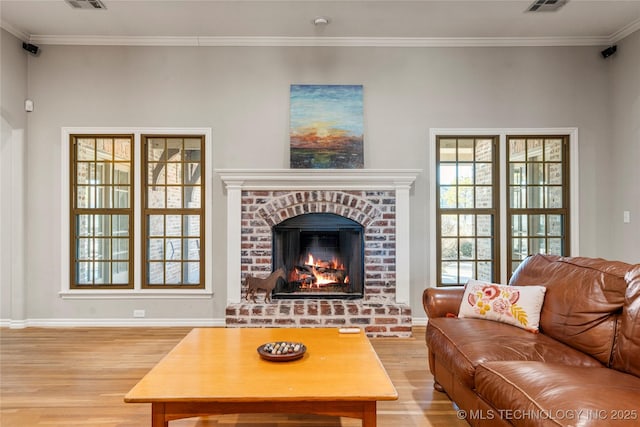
column 581, row 369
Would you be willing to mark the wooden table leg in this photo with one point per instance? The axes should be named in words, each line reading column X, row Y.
column 157, row 415
column 369, row 415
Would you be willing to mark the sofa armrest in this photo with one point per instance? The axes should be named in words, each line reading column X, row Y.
column 440, row 302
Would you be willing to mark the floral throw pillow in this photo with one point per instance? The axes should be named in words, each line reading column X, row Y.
column 516, row 305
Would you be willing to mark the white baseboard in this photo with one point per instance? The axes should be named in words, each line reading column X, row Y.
column 70, row 323
column 419, row 321
column 76, row 323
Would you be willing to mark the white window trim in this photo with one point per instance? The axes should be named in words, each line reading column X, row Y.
column 65, row 168
column 502, row 133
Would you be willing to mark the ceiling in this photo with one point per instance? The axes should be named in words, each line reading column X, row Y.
column 351, row 22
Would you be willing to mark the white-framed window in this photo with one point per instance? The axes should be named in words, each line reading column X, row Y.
column 136, row 207
column 497, row 196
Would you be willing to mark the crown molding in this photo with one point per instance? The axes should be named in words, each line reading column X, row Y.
column 624, row 32
column 322, row 41
column 13, row 30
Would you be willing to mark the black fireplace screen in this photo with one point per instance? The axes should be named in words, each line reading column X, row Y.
column 322, row 254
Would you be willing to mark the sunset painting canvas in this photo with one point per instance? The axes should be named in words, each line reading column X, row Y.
column 326, row 129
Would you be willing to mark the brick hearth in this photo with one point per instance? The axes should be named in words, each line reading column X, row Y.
column 264, row 203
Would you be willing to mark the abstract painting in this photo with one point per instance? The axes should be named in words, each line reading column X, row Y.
column 326, row 129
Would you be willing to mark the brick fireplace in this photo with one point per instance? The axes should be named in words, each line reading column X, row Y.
column 378, row 200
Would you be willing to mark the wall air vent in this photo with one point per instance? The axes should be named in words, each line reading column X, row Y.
column 86, row 4
column 546, row 5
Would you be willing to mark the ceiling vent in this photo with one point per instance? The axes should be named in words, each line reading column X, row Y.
column 546, row 5
column 86, row 4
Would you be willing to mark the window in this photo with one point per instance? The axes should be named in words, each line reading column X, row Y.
column 466, row 209
column 538, row 204
column 101, row 211
column 506, row 189
column 137, row 211
column 173, row 212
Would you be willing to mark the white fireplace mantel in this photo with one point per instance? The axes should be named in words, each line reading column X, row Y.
column 237, row 180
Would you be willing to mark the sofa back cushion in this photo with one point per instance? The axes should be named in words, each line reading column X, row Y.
column 583, row 300
column 626, row 354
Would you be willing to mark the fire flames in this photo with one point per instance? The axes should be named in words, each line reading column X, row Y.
column 319, row 273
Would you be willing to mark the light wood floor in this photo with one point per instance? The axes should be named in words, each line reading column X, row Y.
column 78, row 377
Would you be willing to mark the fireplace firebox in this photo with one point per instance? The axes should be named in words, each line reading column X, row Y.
column 322, row 255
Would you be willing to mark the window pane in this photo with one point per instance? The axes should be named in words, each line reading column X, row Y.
column 155, row 273
column 449, row 273
column 485, row 250
column 467, row 249
column 554, row 197
column 467, row 271
column 448, row 197
column 82, row 197
column 538, row 246
column 518, row 197
column 519, row 225
column 155, row 225
column 449, row 249
column 174, row 197
column 448, row 174
column 485, row 271
column 554, row 225
column 156, row 197
column 465, row 150
column 555, row 246
column 484, row 225
column 86, row 149
column 84, row 274
column 192, row 197
column 553, row 150
column 155, row 251
column 467, row 225
column 174, row 173
column 517, row 173
column 190, row 225
column 174, row 249
column 155, row 149
column 448, row 150
column 174, row 225
column 121, row 174
column 449, row 225
column 484, row 197
column 192, row 249
column 535, row 174
column 520, row 248
column 173, row 273
column 537, row 225
column 534, row 150
column 553, row 173
column 517, row 150
column 483, row 174
column 191, row 273
column 484, row 150
column 120, row 272
column 535, row 197
column 120, row 249
column 465, row 197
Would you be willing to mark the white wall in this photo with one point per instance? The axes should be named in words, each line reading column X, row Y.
column 13, row 123
column 242, row 93
column 625, row 153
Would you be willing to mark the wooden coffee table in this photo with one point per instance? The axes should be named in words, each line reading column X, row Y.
column 216, row 371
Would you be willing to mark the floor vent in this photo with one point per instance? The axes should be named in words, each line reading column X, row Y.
column 546, row 5
column 86, row 4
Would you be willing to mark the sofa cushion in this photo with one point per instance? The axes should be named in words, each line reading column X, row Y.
column 548, row 394
column 626, row 354
column 514, row 305
column 463, row 344
column 583, row 300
